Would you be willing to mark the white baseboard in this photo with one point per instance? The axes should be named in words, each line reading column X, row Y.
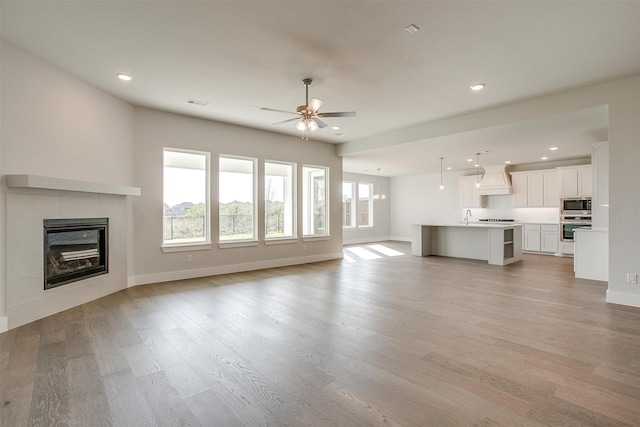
column 632, row 300
column 227, row 269
column 400, row 238
column 4, row 324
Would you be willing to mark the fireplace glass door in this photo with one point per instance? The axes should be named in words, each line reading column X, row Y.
column 74, row 249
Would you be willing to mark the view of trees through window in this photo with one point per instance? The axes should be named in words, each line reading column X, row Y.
column 237, row 207
column 187, row 208
column 186, row 176
column 279, row 200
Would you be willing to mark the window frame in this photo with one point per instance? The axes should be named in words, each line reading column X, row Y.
column 253, row 240
column 291, row 193
column 308, row 210
column 205, row 243
column 370, row 204
column 353, row 213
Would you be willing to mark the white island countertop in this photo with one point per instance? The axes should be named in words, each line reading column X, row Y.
column 497, row 243
column 500, row 225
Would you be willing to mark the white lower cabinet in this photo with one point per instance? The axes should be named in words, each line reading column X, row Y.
column 541, row 238
column 566, row 248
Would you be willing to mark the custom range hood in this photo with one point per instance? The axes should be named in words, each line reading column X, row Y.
column 495, row 181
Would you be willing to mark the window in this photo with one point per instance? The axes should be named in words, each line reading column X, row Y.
column 365, row 211
column 237, row 198
column 348, row 205
column 279, row 200
column 186, row 197
column 315, row 194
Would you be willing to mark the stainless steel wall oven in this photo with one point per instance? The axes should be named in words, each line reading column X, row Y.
column 568, row 223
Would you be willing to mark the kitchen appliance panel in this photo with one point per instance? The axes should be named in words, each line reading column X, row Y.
column 576, row 206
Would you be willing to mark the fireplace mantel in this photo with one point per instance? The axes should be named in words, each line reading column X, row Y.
column 49, row 183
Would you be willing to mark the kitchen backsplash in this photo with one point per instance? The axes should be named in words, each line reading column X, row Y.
column 501, row 207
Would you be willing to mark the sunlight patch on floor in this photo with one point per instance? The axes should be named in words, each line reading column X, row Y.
column 363, row 253
column 385, row 250
column 369, row 252
column 348, row 258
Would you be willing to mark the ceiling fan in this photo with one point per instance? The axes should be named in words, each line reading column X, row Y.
column 307, row 115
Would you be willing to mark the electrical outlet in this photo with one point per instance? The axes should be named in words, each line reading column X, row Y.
column 632, row 278
column 189, row 257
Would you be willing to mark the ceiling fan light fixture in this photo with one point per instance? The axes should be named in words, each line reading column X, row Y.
column 301, row 125
column 312, row 125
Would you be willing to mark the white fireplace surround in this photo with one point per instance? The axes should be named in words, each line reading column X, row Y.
column 29, row 200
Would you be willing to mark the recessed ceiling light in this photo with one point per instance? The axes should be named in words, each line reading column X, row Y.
column 335, row 127
column 469, row 160
column 507, row 161
column 553, row 148
column 477, row 86
column 544, row 158
column 124, row 77
column 340, row 134
column 448, row 168
column 412, row 28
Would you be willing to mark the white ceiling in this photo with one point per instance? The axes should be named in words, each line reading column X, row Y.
column 235, row 55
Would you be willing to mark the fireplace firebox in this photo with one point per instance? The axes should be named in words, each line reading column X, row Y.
column 75, row 249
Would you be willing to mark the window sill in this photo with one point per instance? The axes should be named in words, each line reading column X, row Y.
column 237, row 244
column 315, row 238
column 186, row 247
column 283, row 241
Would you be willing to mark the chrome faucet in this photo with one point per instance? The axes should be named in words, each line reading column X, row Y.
column 466, row 217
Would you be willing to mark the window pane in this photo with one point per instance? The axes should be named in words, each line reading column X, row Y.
column 365, row 211
column 348, row 211
column 186, row 201
column 279, row 200
column 237, row 198
column 315, row 194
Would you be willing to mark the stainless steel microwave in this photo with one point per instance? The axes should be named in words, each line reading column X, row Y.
column 576, row 206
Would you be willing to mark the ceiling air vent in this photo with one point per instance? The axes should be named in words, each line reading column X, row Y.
column 196, row 102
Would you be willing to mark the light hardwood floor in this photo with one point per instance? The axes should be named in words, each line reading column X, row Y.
column 394, row 341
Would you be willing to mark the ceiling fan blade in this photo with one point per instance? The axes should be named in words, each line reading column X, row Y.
column 320, row 123
column 287, row 121
column 277, row 111
column 339, row 114
column 314, row 105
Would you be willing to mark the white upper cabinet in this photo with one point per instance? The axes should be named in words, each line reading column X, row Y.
column 575, row 181
column 469, row 197
column 551, row 189
column 535, row 188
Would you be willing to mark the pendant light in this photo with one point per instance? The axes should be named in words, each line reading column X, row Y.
column 441, row 184
column 477, row 170
column 377, row 196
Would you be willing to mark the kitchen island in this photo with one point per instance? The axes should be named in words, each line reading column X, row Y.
column 498, row 244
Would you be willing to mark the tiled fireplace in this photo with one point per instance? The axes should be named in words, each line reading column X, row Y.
column 27, row 268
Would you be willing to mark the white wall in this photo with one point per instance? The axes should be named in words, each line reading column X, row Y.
column 56, row 125
column 417, row 199
column 381, row 211
column 155, row 130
